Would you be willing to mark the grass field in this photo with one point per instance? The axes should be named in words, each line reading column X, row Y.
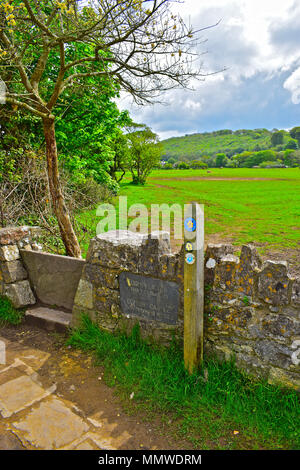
column 242, row 205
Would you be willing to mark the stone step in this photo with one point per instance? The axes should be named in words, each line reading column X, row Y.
column 48, row 318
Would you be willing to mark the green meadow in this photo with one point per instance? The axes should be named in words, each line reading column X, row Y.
column 241, row 205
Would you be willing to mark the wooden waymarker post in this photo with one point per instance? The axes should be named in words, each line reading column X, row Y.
column 193, row 285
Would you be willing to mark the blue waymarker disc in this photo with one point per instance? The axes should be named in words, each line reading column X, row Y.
column 190, row 224
column 190, row 258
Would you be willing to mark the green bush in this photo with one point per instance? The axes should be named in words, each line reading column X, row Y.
column 183, row 166
column 167, row 166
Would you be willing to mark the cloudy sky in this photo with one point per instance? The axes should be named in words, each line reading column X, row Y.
column 258, row 42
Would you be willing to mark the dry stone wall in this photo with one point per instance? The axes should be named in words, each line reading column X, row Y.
column 14, row 281
column 252, row 309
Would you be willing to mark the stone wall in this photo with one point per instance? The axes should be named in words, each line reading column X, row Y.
column 252, row 309
column 111, row 254
column 14, row 281
column 29, row 276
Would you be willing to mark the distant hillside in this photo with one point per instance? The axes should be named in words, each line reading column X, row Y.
column 195, row 146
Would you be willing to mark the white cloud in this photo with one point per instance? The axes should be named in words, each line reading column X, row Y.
column 292, row 84
column 193, row 105
column 258, row 43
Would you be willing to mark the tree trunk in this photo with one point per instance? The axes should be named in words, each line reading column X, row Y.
column 67, row 232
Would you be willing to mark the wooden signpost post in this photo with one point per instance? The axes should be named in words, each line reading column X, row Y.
column 193, row 285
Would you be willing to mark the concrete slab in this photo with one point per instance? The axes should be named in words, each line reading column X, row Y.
column 54, row 277
column 51, row 425
column 18, row 394
column 48, row 318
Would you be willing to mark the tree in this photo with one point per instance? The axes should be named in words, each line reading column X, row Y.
column 295, row 134
column 87, row 124
column 182, row 165
column 140, row 44
column 291, row 158
column 145, row 152
column 121, row 157
column 220, row 159
column 167, row 166
column 198, row 164
column 291, row 144
column 277, row 138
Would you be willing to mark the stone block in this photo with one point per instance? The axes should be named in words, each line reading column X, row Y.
column 225, row 272
column 273, row 283
column 84, row 295
column 125, row 250
column 233, row 319
column 159, row 242
column 13, row 235
column 9, row 253
column 49, row 319
column 273, row 353
column 247, row 271
column 20, row 294
column 118, row 249
column 213, row 255
column 283, row 378
column 13, row 271
column 280, row 326
column 107, row 301
column 296, row 293
column 252, row 365
column 218, row 251
column 101, row 276
column 168, row 266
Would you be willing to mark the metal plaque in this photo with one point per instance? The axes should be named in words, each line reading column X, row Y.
column 149, row 298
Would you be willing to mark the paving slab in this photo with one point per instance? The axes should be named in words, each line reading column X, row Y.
column 51, row 425
column 38, row 410
column 107, row 431
column 10, row 374
column 18, row 394
column 8, row 441
column 86, row 445
column 33, row 358
column 91, row 440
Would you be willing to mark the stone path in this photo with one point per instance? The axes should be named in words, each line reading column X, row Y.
column 34, row 416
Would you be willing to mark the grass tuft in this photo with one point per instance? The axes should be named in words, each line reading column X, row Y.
column 8, row 314
column 207, row 405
